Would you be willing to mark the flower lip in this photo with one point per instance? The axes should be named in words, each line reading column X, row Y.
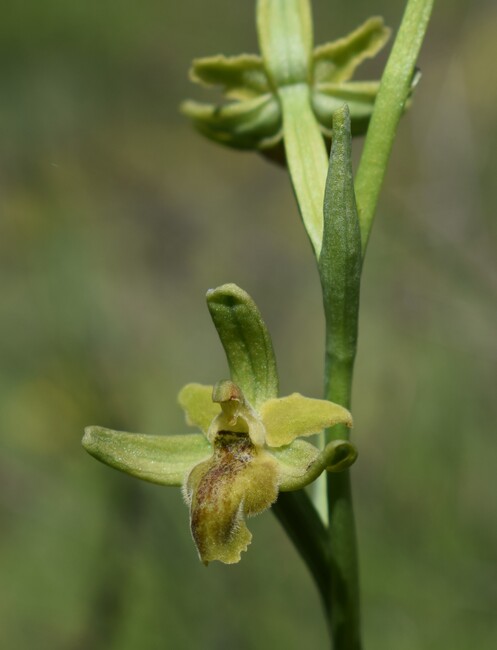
column 237, row 481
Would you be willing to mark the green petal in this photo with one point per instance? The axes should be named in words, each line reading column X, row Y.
column 338, row 60
column 242, row 77
column 196, row 401
column 165, row 460
column 238, row 480
column 360, row 97
column 296, row 415
column 246, row 341
column 250, row 124
column 299, row 465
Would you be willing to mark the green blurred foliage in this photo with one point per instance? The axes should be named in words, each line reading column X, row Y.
column 116, row 218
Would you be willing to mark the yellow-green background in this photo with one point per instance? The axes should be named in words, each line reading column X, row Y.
column 115, row 219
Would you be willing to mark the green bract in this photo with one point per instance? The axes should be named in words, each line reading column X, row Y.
column 247, row 452
column 254, row 119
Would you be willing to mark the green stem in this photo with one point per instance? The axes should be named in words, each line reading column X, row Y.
column 390, row 103
column 344, row 618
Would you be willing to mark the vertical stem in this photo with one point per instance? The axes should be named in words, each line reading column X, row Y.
column 345, row 614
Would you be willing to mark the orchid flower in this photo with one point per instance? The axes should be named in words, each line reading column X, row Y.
column 250, row 446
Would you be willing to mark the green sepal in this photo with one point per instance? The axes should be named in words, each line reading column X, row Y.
column 289, row 417
column 249, row 124
column 246, row 341
column 360, row 97
column 200, row 409
column 165, row 460
column 337, row 61
column 285, row 35
column 340, row 260
column 242, row 77
column 301, row 463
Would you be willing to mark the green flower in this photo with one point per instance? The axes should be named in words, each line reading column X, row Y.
column 254, row 117
column 249, row 448
column 237, row 466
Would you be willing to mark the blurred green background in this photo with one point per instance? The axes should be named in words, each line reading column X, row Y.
column 116, row 218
